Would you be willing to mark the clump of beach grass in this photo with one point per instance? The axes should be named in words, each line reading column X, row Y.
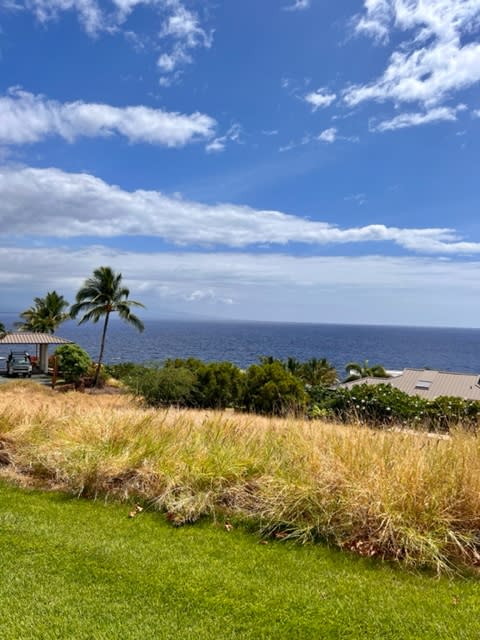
column 392, row 494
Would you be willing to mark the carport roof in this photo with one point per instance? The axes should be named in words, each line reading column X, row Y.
column 23, row 337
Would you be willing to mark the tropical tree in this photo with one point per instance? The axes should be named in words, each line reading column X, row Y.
column 3, row 331
column 357, row 371
column 294, row 366
column 101, row 295
column 318, row 372
column 45, row 315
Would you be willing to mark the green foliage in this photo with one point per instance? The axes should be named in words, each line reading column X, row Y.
column 46, row 314
column 73, row 362
column 101, row 295
column 270, row 389
column 221, row 385
column 121, row 370
column 185, row 383
column 162, row 386
column 385, row 405
column 357, row 371
column 313, row 372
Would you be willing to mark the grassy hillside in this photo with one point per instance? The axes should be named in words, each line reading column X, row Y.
column 402, row 496
column 84, row 570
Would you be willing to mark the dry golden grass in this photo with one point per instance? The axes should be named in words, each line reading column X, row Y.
column 393, row 494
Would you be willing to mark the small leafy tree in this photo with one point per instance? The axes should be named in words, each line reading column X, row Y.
column 217, row 384
column 162, row 386
column 221, row 385
column 73, row 362
column 271, row 390
column 3, row 331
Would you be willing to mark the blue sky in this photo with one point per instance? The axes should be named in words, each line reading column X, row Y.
column 297, row 160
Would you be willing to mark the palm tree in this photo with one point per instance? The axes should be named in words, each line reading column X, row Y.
column 294, row 366
column 45, row 315
column 101, row 295
column 317, row 372
column 357, row 371
column 3, row 331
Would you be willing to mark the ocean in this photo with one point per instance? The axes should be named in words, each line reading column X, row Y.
column 243, row 343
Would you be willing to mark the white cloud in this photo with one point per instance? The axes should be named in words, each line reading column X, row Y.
column 180, row 27
column 27, row 118
column 329, row 135
column 434, row 60
column 209, row 295
column 320, row 98
column 218, row 144
column 90, row 14
column 439, row 114
column 298, row 5
column 375, row 21
column 319, row 288
column 357, row 198
column 50, row 202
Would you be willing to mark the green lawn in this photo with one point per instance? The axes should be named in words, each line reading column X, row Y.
column 75, row 569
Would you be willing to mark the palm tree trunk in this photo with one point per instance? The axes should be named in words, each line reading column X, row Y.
column 102, row 347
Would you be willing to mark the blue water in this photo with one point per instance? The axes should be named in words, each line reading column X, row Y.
column 243, row 343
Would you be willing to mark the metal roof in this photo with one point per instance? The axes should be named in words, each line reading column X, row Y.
column 24, row 337
column 430, row 384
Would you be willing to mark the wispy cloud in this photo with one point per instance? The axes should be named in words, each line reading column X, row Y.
column 436, row 58
column 357, row 198
column 28, row 118
column 329, row 135
column 51, row 202
column 328, row 284
column 403, row 120
column 219, row 144
column 182, row 28
column 298, row 5
column 320, row 98
column 180, row 33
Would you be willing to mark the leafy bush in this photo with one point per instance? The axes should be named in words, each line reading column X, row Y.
column 162, row 386
column 313, row 372
column 121, row 370
column 73, row 362
column 384, row 405
column 271, row 390
column 217, row 384
column 220, row 385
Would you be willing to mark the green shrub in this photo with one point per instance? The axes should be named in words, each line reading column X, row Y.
column 162, row 386
column 220, row 385
column 73, row 362
column 270, row 389
column 383, row 404
column 121, row 370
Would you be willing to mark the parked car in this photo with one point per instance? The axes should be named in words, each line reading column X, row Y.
column 19, row 364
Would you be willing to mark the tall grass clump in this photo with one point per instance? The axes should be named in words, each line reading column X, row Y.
column 411, row 497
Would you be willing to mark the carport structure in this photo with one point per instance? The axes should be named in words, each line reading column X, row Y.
column 40, row 341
